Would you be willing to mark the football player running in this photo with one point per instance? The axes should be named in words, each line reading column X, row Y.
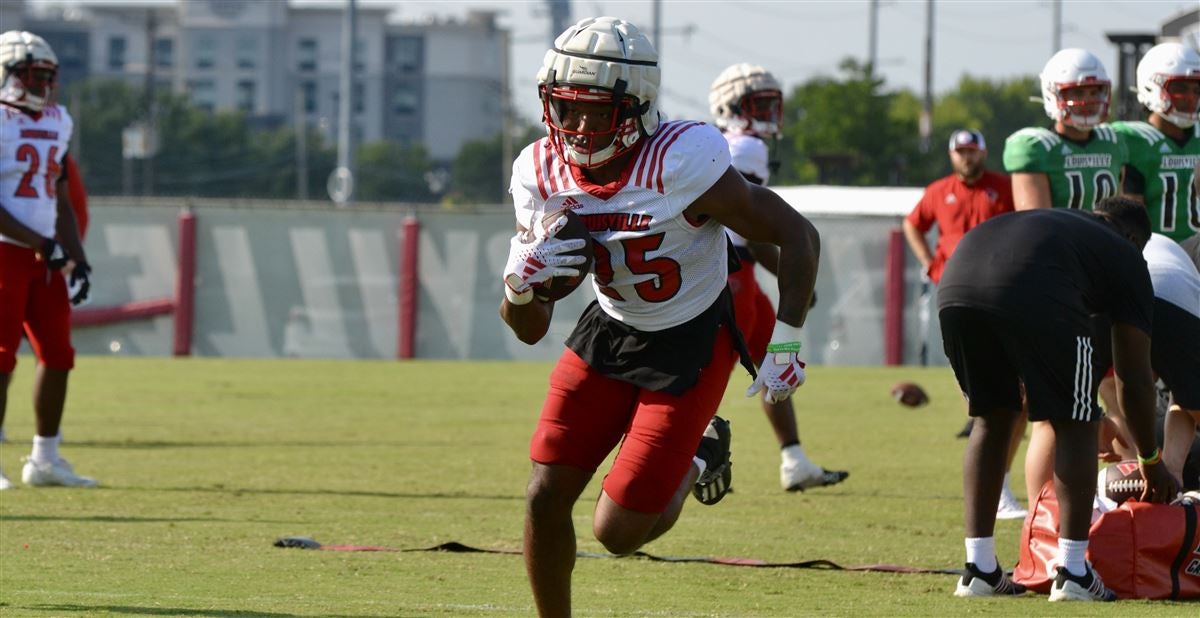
column 1073, row 165
column 647, row 364
column 39, row 242
column 746, row 102
column 1165, row 150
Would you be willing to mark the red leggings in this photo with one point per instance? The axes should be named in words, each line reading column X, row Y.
column 587, row 413
column 753, row 310
column 33, row 299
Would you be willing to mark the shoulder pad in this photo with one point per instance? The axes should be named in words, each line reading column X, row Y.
column 1046, row 138
column 1105, row 132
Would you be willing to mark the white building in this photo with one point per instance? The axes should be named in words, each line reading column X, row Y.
column 436, row 83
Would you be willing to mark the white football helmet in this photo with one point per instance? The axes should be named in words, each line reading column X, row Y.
column 1164, row 63
column 28, row 70
column 747, row 99
column 1071, row 68
column 600, row 60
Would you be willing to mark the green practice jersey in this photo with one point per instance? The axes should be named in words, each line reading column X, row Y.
column 1079, row 174
column 1164, row 171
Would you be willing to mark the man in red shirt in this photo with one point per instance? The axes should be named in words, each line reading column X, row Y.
column 957, row 203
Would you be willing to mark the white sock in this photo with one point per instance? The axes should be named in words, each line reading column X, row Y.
column 700, row 463
column 795, row 454
column 1072, row 555
column 2, row 437
column 44, row 448
column 1005, row 488
column 981, row 551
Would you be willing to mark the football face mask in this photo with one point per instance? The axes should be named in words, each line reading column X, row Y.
column 589, row 126
column 30, row 85
column 763, row 112
column 1183, row 100
column 1083, row 105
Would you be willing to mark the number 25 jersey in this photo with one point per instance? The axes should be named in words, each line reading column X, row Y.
column 31, row 155
column 655, row 268
column 1080, row 174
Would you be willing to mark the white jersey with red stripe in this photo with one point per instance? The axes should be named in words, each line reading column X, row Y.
column 654, row 267
column 32, row 148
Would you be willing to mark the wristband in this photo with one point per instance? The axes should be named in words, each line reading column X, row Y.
column 785, row 338
column 1153, row 459
column 514, row 298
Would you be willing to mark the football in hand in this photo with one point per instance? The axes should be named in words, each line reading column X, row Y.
column 909, row 394
column 1120, row 481
column 558, row 288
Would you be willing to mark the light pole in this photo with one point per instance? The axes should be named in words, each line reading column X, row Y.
column 341, row 182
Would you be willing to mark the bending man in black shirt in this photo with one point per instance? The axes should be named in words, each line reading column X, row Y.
column 1015, row 304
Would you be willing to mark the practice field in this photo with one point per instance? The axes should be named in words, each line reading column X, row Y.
column 204, row 463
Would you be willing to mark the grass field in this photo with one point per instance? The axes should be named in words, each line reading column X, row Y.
column 205, row 462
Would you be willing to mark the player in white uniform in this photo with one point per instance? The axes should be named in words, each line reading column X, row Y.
column 747, row 105
column 38, row 243
column 1174, row 347
column 646, row 366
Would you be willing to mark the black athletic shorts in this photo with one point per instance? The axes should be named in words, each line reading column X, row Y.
column 1175, row 352
column 993, row 355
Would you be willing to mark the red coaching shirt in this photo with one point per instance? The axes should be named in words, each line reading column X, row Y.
column 956, row 207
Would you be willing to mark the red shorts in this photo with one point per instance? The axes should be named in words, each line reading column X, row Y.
column 33, row 299
column 753, row 310
column 586, row 414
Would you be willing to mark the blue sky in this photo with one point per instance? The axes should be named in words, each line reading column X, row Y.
column 799, row 39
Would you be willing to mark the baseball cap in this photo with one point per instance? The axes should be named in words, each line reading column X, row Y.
column 966, row 138
column 748, row 155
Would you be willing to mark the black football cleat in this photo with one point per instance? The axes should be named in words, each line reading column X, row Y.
column 717, row 479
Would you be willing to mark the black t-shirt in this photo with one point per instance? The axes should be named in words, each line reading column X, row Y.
column 1053, row 267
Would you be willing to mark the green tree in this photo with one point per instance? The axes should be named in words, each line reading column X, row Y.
column 843, row 130
column 200, row 153
column 480, row 175
column 851, row 130
column 998, row 109
column 104, row 109
column 392, row 172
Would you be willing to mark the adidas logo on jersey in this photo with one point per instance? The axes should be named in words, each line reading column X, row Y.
column 1066, row 150
column 950, row 199
column 571, row 203
column 1164, row 149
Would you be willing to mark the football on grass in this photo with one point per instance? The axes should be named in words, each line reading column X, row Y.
column 558, row 288
column 1120, row 481
column 909, row 394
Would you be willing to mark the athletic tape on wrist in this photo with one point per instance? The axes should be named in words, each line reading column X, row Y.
column 785, row 338
column 514, row 298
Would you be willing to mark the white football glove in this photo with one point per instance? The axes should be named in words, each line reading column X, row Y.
column 536, row 257
column 782, row 371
